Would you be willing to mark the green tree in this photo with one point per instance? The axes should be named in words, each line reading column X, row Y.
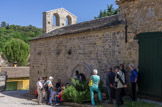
column 24, row 33
column 107, row 12
column 3, row 24
column 16, row 50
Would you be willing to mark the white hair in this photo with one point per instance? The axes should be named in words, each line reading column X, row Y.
column 131, row 65
column 95, row 71
column 51, row 78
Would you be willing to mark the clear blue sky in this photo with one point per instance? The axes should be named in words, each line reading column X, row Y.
column 25, row 12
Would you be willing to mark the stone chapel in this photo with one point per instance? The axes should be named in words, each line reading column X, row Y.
column 132, row 36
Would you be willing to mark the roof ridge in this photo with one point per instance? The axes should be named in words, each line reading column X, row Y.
column 99, row 23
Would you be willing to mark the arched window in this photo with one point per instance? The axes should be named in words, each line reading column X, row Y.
column 56, row 19
column 68, row 20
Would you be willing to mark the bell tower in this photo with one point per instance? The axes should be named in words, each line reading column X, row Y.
column 55, row 19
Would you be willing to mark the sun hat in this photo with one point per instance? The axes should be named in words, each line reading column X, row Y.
column 51, row 78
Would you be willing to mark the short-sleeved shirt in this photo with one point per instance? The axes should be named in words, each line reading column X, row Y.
column 39, row 85
column 49, row 82
column 95, row 79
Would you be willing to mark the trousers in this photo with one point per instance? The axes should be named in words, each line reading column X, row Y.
column 110, row 92
column 40, row 96
column 49, row 96
column 119, row 97
column 92, row 89
column 57, row 100
column 134, row 91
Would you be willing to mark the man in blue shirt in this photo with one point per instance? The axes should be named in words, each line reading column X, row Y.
column 133, row 80
column 50, row 91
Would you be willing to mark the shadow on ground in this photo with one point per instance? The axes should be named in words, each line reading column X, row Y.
column 23, row 94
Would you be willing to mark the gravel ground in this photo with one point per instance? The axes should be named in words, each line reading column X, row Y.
column 18, row 99
column 24, row 99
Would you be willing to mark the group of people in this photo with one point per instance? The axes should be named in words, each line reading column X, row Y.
column 115, row 83
column 47, row 91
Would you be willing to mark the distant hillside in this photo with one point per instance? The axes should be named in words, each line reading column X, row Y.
column 24, row 33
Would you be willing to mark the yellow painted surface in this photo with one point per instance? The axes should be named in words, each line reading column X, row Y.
column 22, row 83
column 26, row 84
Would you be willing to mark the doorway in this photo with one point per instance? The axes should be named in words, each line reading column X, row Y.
column 150, row 63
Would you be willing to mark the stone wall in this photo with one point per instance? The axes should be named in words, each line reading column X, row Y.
column 97, row 49
column 141, row 16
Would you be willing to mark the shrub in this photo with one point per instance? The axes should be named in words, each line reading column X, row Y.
column 69, row 93
column 78, row 92
column 80, row 86
column 82, row 96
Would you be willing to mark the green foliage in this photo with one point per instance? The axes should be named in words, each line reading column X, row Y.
column 80, row 86
column 69, row 93
column 108, row 12
column 25, row 33
column 78, row 92
column 4, row 24
column 16, row 50
column 82, row 96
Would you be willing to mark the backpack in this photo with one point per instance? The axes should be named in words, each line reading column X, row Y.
column 115, row 84
column 46, row 86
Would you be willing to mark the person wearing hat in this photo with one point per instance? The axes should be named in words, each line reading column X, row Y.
column 133, row 80
column 50, row 91
column 95, row 79
column 40, row 90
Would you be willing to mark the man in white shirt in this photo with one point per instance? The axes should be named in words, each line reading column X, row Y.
column 39, row 90
column 120, row 83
